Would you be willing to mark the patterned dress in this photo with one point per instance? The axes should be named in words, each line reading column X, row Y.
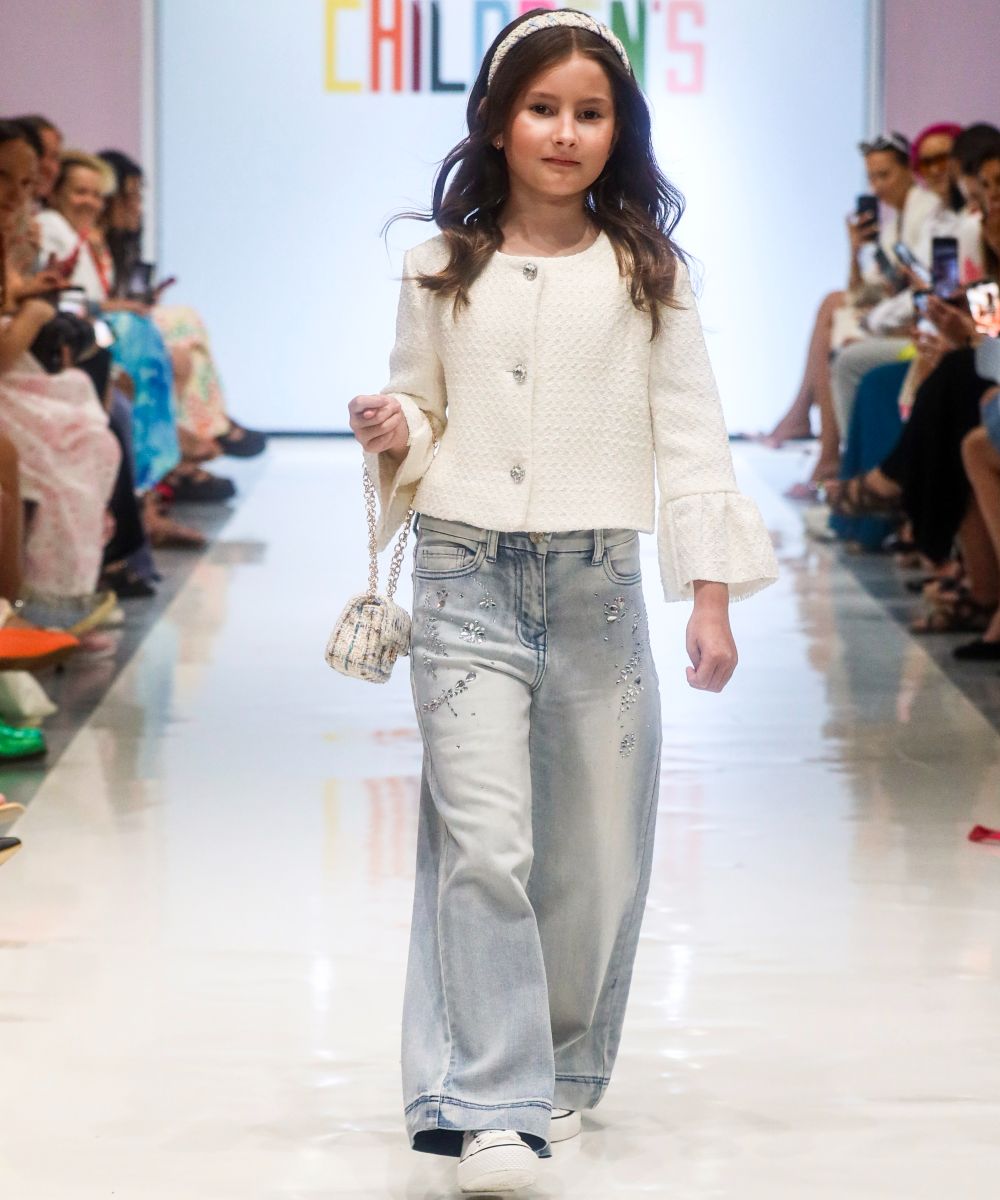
column 201, row 406
column 68, row 459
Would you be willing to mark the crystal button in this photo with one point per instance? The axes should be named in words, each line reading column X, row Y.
column 520, row 373
column 530, row 271
column 517, row 474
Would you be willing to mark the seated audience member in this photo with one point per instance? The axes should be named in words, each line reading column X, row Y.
column 68, row 458
column 890, row 322
column 905, row 208
column 924, row 479
column 72, row 236
column 24, row 238
column 51, row 139
column 934, row 164
column 200, row 403
column 981, row 456
column 971, row 146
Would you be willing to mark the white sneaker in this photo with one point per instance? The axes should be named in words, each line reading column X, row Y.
column 495, row 1160
column 565, row 1124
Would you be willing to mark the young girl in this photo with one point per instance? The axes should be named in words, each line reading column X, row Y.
column 547, row 340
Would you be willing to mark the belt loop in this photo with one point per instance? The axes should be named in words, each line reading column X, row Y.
column 492, row 542
column 598, row 546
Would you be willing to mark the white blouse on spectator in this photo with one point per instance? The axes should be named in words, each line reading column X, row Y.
column 61, row 239
column 551, row 404
column 908, row 225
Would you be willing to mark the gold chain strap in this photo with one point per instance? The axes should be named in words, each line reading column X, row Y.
column 397, row 554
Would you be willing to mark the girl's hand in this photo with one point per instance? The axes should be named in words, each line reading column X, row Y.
column 710, row 644
column 379, row 425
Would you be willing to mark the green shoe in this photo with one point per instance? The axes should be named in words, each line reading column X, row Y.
column 16, row 744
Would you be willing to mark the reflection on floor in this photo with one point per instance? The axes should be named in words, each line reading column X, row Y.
column 202, row 944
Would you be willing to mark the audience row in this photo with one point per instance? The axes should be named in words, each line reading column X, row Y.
column 110, row 405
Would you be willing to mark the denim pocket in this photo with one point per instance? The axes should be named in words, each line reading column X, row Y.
column 443, row 556
column 621, row 562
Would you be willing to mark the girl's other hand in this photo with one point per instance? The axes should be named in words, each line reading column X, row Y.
column 710, row 643
column 379, row 425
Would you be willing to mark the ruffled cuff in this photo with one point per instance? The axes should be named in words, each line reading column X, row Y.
column 719, row 536
column 397, row 485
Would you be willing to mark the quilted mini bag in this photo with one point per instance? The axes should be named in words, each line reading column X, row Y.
column 372, row 631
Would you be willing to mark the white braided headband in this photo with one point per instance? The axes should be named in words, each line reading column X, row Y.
column 551, row 20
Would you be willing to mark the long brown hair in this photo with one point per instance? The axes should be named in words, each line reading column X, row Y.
column 631, row 201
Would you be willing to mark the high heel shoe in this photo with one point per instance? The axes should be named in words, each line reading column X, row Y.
column 8, row 848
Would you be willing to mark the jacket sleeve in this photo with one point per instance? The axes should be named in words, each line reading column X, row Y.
column 416, row 380
column 705, row 528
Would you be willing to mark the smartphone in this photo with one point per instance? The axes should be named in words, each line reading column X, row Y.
column 140, row 283
column 920, row 302
column 909, row 260
column 984, row 305
column 945, row 275
column 895, row 278
column 867, row 210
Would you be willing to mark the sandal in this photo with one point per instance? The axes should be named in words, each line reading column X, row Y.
column 856, row 497
column 197, row 486
column 164, row 531
column 240, row 442
column 957, row 613
column 126, row 583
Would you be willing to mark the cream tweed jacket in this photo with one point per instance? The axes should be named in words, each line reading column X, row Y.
column 552, row 407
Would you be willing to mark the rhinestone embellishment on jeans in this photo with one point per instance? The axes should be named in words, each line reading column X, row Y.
column 615, row 610
column 627, row 745
column 517, row 474
column 520, row 373
column 449, row 694
column 473, row 632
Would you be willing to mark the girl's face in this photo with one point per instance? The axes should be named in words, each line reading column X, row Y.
column 18, row 171
column 561, row 130
column 989, row 183
column 80, row 199
column 936, row 166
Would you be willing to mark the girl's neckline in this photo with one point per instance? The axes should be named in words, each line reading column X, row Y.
column 554, row 257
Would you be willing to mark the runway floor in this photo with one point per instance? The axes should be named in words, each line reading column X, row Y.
column 202, row 944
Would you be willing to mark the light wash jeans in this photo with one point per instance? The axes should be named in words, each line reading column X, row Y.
column 539, row 708
column 851, row 365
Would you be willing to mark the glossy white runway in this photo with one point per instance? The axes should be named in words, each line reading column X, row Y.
column 202, row 945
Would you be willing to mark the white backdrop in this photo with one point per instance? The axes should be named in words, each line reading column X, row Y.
column 274, row 179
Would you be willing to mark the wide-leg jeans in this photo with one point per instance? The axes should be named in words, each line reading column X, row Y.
column 538, row 705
